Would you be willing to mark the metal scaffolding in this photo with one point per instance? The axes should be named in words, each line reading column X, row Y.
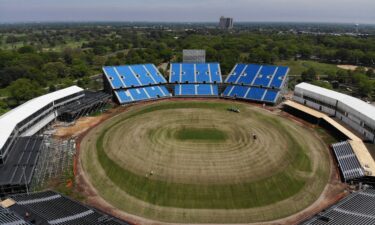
column 55, row 162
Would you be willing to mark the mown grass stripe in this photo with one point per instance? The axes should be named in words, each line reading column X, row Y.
column 229, row 196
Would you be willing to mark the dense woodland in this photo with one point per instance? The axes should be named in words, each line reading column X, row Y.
column 36, row 59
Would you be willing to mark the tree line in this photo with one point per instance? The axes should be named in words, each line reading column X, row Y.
column 31, row 68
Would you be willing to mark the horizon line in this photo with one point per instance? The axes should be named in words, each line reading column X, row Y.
column 175, row 22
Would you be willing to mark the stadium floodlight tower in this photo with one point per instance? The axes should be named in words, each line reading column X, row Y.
column 194, row 56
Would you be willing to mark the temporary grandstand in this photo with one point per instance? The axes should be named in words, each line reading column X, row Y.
column 56, row 159
column 51, row 208
column 20, row 138
column 195, row 79
column 256, row 82
column 91, row 102
column 16, row 174
column 30, row 117
column 356, row 209
column 347, row 162
column 356, row 113
column 8, row 217
column 134, row 83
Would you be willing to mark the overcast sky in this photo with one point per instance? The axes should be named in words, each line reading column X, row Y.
column 344, row 11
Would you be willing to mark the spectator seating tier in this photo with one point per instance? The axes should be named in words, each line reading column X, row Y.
column 141, row 94
column 258, row 75
column 256, row 82
column 135, row 83
column 356, row 209
column 195, row 73
column 131, row 76
column 349, row 165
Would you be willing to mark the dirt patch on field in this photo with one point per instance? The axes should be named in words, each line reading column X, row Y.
column 83, row 124
column 80, row 126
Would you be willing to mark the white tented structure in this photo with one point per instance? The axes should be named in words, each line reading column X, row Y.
column 354, row 112
column 30, row 117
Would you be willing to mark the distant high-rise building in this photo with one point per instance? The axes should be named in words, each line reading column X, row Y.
column 357, row 28
column 226, row 22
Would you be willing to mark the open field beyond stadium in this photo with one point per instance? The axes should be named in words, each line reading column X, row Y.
column 196, row 162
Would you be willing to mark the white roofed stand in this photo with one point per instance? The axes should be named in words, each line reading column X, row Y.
column 356, row 113
column 30, row 117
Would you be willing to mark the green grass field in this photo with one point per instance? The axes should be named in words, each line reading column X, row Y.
column 207, row 134
column 189, row 161
column 297, row 67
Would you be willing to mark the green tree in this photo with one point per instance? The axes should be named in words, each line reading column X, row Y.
column 79, row 71
column 322, row 83
column 309, row 75
column 3, row 107
column 55, row 70
column 51, row 88
column 23, row 90
column 366, row 88
column 26, row 49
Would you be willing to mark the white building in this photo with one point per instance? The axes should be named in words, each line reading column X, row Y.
column 354, row 112
column 30, row 117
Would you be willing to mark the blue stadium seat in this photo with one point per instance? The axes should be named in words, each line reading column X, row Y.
column 215, row 73
column 227, row 90
column 187, row 73
column 155, row 92
column 188, row 89
column 195, row 73
column 132, row 83
column 279, row 77
column 205, row 89
column 177, row 89
column 265, row 76
column 249, row 74
column 215, row 90
column 256, row 82
column 143, row 75
column 128, row 77
column 233, row 76
column 271, row 96
column 133, row 76
column 195, row 79
column 196, row 90
column 175, row 73
column 256, row 93
column 139, row 94
column 203, row 73
column 113, row 77
column 123, row 96
column 165, row 91
column 156, row 75
column 238, row 91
